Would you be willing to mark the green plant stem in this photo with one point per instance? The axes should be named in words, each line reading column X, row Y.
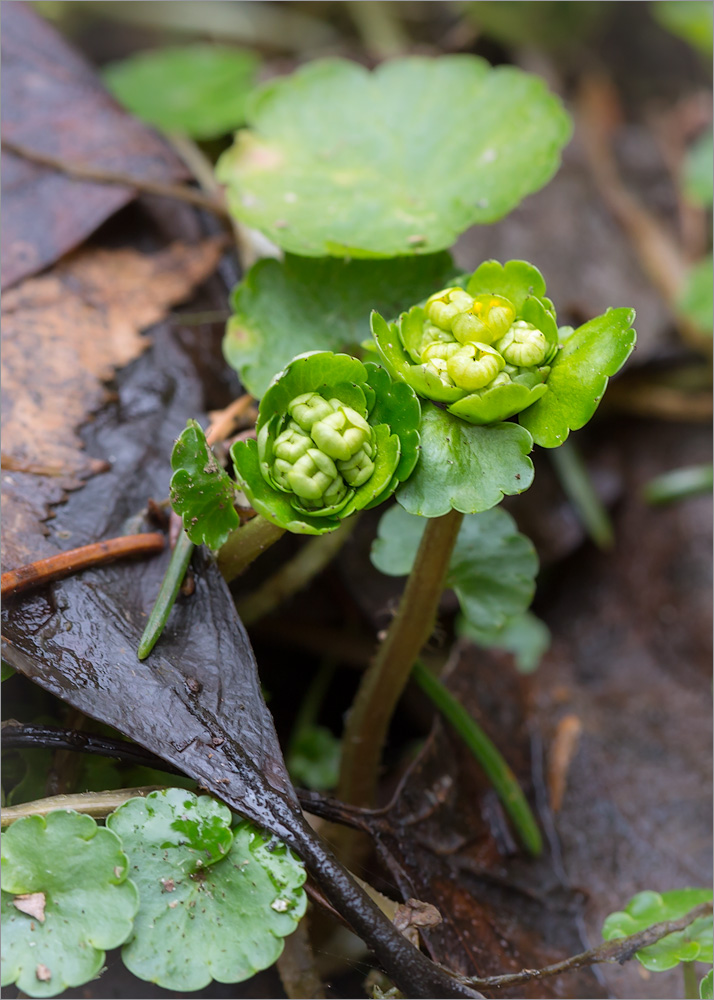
column 168, row 591
column 691, row 981
column 295, row 574
column 245, row 544
column 97, row 804
column 489, row 757
column 678, row 484
column 575, row 480
column 387, row 676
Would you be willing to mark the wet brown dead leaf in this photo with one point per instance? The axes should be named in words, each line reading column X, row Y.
column 63, row 335
column 54, row 103
column 31, row 903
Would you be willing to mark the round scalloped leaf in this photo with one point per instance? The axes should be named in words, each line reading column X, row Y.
column 200, row 90
column 465, row 467
column 579, row 377
column 492, row 568
column 201, row 491
column 524, row 635
column 304, row 304
column 315, row 371
column 706, row 987
column 344, row 162
column 81, row 902
column 198, row 921
column 515, row 280
column 692, row 944
column 273, row 505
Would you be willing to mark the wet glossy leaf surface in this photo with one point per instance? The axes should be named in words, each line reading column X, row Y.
column 86, row 903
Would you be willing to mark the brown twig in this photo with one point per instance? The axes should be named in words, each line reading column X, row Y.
column 225, row 421
column 100, row 175
column 620, row 950
column 36, row 574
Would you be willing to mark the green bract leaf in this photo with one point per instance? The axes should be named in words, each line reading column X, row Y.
column 464, row 467
column 699, row 171
column 515, row 280
column 210, row 909
column 343, row 162
column 333, row 437
column 303, row 304
column 492, row 568
column 201, row 491
column 696, row 301
column 706, row 987
column 647, row 908
column 80, row 904
column 200, row 90
column 579, row 377
column 524, row 635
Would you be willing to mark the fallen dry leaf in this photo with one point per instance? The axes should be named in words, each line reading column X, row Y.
column 31, row 903
column 54, row 103
column 413, row 914
column 63, row 335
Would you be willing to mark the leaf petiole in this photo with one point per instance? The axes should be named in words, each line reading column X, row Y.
column 168, row 591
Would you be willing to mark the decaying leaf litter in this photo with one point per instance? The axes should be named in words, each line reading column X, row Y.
column 554, row 702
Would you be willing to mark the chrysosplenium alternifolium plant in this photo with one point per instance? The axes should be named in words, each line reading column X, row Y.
column 485, row 350
column 334, row 436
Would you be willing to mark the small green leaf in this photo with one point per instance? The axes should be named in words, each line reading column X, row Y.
column 214, row 904
column 579, row 377
column 696, row 300
column 305, row 304
column 5, row 671
column 647, row 908
column 524, row 635
column 515, row 280
column 345, row 162
column 706, row 987
column 465, row 467
column 688, row 19
column 678, row 484
column 199, row 90
column 201, row 491
column 699, row 171
column 314, row 758
column 492, row 569
column 82, row 901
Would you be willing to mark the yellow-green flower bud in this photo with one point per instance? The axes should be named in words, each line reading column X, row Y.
column 312, row 475
column 488, row 319
column 440, row 349
column 357, row 470
column 292, row 443
column 308, row 408
column 474, row 365
column 341, row 433
column 438, row 367
column 523, row 345
column 443, row 307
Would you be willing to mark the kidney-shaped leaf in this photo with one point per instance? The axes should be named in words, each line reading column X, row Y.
column 302, row 304
column 200, row 90
column 65, row 900
column 464, row 466
column 579, row 377
column 197, row 923
column 492, row 568
column 692, row 944
column 348, row 163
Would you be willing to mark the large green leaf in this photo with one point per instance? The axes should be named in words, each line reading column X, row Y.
column 465, row 467
column 492, row 568
column 201, row 491
column 81, row 901
column 579, row 377
column 200, row 90
column 210, row 909
column 647, row 908
column 306, row 304
column 343, row 162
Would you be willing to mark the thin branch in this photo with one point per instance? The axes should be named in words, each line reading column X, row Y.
column 100, row 175
column 44, row 571
column 620, row 950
